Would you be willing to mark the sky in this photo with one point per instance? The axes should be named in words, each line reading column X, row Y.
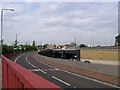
column 91, row 23
column 59, row 0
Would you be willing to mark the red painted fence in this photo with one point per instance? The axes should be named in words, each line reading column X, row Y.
column 15, row 76
column 10, row 55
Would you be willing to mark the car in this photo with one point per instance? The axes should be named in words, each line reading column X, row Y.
column 86, row 61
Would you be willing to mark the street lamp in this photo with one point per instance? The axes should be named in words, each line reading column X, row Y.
column 16, row 42
column 17, row 36
column 2, row 21
column 2, row 24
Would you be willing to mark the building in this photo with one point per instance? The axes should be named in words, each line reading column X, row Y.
column 117, row 40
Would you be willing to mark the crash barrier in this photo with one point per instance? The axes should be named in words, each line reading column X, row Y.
column 15, row 76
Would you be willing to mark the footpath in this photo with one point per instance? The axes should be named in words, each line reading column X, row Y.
column 108, row 74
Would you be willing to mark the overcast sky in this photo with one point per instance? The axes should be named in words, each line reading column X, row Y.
column 60, row 22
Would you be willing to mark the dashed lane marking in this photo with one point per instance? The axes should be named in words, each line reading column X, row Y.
column 61, row 81
column 37, row 70
column 56, row 69
column 91, row 79
column 42, row 71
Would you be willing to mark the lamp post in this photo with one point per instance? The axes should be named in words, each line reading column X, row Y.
column 2, row 24
column 17, row 36
column 16, row 47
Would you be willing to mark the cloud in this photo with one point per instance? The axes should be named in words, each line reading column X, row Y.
column 59, row 0
column 61, row 22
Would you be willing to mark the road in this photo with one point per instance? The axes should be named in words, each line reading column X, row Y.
column 57, row 76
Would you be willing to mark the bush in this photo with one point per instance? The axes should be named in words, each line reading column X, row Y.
column 82, row 45
column 10, row 49
column 7, row 49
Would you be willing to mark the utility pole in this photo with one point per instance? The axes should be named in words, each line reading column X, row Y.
column 16, row 37
column 75, row 43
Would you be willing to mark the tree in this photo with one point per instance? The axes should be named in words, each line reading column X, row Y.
column 45, row 46
column 7, row 49
column 33, row 43
column 72, row 44
column 82, row 45
column 117, row 43
column 22, row 47
column 16, row 48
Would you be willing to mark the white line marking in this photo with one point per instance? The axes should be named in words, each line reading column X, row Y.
column 61, row 81
column 51, row 69
column 18, row 57
column 81, row 75
column 42, row 71
column 91, row 79
column 29, row 62
column 37, row 70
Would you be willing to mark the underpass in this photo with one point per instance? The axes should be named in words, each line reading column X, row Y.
column 64, row 54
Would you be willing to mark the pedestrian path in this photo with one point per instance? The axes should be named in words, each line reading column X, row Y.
column 105, row 62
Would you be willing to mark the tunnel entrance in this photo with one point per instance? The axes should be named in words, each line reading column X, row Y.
column 64, row 54
column 56, row 55
column 70, row 56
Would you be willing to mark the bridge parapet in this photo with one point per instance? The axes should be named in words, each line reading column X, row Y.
column 15, row 76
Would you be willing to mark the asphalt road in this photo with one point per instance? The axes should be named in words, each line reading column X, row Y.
column 57, row 76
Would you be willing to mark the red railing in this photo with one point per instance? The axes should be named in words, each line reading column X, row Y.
column 15, row 76
column 10, row 55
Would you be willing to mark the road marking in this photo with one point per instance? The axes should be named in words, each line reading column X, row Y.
column 29, row 62
column 61, row 81
column 56, row 69
column 42, row 71
column 91, row 79
column 18, row 57
column 80, row 75
column 44, row 63
column 36, row 70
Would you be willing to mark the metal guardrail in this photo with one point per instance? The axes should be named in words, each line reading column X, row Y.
column 15, row 76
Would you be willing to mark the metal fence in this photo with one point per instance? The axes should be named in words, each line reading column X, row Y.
column 15, row 76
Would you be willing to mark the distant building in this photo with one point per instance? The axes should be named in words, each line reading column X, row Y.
column 51, row 46
column 69, row 46
column 66, row 46
column 54, row 46
column 117, row 40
